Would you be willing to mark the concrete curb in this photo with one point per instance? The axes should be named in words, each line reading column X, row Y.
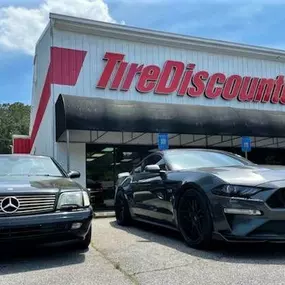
column 98, row 215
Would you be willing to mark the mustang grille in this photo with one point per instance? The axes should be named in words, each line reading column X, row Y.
column 31, row 204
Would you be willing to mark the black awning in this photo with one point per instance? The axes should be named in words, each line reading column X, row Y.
column 85, row 113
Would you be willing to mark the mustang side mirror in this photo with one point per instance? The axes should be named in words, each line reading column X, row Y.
column 153, row 168
column 73, row 174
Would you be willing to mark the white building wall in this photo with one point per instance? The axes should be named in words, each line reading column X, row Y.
column 43, row 144
column 41, row 65
column 77, row 159
column 147, row 53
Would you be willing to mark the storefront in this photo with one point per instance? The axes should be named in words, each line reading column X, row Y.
column 102, row 93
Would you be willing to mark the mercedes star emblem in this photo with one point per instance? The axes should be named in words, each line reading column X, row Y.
column 10, row 205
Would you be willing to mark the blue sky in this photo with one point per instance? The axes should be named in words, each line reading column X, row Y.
column 256, row 22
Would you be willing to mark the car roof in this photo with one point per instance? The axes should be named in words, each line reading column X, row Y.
column 173, row 150
column 194, row 149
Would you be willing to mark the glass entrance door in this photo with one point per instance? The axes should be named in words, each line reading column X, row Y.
column 100, row 175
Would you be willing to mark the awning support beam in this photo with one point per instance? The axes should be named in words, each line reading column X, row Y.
column 67, row 150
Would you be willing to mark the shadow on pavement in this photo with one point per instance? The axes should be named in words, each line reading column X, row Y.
column 23, row 258
column 257, row 253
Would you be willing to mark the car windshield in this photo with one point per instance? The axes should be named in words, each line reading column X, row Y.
column 28, row 166
column 197, row 159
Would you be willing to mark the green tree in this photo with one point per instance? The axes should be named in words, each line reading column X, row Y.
column 14, row 119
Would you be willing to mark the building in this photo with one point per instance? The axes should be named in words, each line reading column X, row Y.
column 102, row 93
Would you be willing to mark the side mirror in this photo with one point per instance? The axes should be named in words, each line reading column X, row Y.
column 123, row 174
column 73, row 174
column 153, row 168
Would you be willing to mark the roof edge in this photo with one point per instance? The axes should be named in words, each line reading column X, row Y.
column 44, row 32
column 76, row 24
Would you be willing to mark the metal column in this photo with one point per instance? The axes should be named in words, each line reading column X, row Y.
column 67, row 151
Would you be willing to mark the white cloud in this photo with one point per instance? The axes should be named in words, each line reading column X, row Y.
column 21, row 27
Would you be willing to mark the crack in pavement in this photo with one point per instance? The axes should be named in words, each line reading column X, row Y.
column 117, row 266
column 162, row 269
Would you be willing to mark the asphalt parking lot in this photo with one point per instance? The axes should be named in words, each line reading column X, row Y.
column 142, row 254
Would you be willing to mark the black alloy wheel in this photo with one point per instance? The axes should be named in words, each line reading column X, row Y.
column 122, row 211
column 194, row 219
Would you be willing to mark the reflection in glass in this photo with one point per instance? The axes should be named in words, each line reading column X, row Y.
column 103, row 164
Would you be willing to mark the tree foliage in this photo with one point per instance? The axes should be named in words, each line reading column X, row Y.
column 14, row 119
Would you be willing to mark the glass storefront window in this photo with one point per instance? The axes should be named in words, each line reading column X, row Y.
column 104, row 163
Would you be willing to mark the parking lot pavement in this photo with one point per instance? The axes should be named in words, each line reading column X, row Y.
column 150, row 255
column 141, row 254
column 60, row 265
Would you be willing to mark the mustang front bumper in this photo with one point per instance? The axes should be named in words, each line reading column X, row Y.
column 261, row 218
column 52, row 227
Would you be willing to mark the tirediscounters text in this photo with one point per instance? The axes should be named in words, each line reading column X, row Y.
column 180, row 78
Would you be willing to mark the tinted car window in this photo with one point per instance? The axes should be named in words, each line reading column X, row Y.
column 17, row 165
column 138, row 169
column 196, row 159
column 162, row 164
column 126, row 182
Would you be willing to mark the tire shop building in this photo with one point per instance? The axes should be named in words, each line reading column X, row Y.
column 102, row 92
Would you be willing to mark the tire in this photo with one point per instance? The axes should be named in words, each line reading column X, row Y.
column 84, row 244
column 194, row 219
column 122, row 211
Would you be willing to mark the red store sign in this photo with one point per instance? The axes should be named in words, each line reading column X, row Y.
column 178, row 77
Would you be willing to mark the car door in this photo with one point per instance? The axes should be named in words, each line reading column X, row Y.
column 162, row 189
column 142, row 196
column 149, row 192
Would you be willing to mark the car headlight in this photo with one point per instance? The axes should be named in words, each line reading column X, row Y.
column 236, row 191
column 86, row 200
column 73, row 200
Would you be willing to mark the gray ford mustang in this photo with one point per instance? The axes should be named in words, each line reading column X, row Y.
column 206, row 195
